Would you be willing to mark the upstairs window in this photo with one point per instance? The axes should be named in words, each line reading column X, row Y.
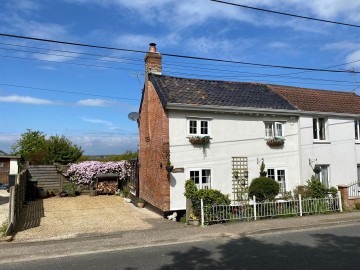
column 357, row 130
column 273, row 129
column 201, row 177
column 319, row 129
column 198, row 127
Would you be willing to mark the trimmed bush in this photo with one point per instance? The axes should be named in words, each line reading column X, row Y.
column 264, row 188
column 209, row 196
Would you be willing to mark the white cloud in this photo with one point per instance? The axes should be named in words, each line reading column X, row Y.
column 353, row 59
column 106, row 123
column 105, row 143
column 342, row 45
column 96, row 102
column 97, row 121
column 278, row 45
column 23, row 5
column 25, row 100
column 186, row 13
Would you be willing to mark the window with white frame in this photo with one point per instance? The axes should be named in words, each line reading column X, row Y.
column 273, row 129
column 1, row 164
column 357, row 130
column 319, row 129
column 201, row 177
column 279, row 175
column 358, row 174
column 323, row 175
column 199, row 127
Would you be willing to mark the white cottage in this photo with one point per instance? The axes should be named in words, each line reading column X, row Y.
column 218, row 133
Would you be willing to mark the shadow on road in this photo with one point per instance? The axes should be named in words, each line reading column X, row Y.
column 31, row 215
column 329, row 252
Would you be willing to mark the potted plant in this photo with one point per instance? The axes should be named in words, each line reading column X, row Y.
column 262, row 169
column 193, row 220
column 169, row 167
column 140, row 203
column 276, row 141
column 126, row 193
column 317, row 169
column 199, row 140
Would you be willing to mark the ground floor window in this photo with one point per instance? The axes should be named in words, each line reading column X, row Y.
column 323, row 175
column 358, row 174
column 279, row 175
column 201, row 177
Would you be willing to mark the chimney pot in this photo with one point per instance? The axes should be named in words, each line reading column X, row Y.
column 152, row 47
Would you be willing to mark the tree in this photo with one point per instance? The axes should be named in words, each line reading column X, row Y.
column 62, row 151
column 31, row 145
column 37, row 150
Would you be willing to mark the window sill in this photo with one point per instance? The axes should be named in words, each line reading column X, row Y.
column 202, row 135
column 321, row 142
column 357, row 142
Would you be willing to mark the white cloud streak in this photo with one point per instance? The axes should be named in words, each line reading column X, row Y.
column 97, row 102
column 25, row 100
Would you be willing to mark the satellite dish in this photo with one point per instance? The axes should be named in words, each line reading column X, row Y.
column 133, row 116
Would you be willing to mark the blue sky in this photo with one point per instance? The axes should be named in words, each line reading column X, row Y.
column 39, row 81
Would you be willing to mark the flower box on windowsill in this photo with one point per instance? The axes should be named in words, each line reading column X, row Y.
column 199, row 140
column 276, row 141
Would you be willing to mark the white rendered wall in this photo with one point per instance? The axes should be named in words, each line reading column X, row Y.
column 14, row 168
column 233, row 135
column 339, row 151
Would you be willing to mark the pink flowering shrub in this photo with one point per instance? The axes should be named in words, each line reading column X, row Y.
column 85, row 172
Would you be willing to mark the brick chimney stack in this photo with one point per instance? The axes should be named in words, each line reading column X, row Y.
column 153, row 60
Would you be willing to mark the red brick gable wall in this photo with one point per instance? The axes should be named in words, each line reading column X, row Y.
column 154, row 184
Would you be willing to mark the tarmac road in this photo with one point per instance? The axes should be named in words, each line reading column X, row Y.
column 334, row 247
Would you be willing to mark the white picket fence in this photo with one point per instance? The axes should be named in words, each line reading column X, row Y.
column 252, row 210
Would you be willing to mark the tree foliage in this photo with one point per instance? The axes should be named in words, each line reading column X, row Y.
column 127, row 155
column 37, row 150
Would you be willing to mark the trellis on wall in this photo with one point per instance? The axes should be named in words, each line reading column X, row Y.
column 240, row 176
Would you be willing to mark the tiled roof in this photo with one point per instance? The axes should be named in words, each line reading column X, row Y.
column 217, row 93
column 319, row 100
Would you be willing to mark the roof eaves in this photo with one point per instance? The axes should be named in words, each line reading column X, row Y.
column 329, row 114
column 214, row 108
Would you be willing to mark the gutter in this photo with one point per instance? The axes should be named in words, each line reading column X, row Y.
column 232, row 109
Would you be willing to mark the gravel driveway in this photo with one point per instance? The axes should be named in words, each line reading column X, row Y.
column 4, row 206
column 61, row 218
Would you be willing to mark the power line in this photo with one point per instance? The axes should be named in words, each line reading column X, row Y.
column 68, row 56
column 176, row 55
column 66, row 92
column 67, row 63
column 286, row 14
column 250, row 74
column 73, row 52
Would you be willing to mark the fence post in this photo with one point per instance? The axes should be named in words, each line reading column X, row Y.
column 340, row 202
column 254, row 200
column 300, row 205
column 202, row 211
